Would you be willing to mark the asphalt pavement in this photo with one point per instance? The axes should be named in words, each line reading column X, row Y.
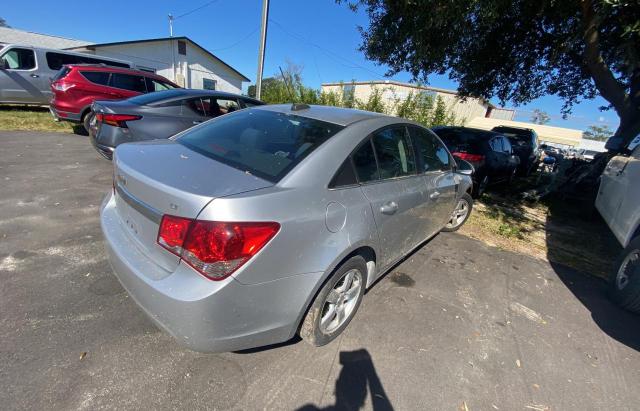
column 457, row 326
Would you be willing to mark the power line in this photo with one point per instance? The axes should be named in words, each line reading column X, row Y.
column 194, row 10
column 238, row 42
column 329, row 53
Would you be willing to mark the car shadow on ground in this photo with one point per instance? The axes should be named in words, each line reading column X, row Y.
column 357, row 378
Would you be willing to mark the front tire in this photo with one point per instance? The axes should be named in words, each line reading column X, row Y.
column 460, row 214
column 336, row 304
column 87, row 120
column 624, row 287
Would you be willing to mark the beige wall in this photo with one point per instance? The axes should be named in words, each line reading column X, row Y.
column 464, row 110
column 552, row 134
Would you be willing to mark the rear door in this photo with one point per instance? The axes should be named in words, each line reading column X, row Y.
column 435, row 165
column 615, row 186
column 21, row 81
column 193, row 112
column 386, row 168
column 497, row 159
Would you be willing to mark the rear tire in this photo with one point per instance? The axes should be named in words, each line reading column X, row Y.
column 624, row 287
column 336, row 304
column 479, row 189
column 86, row 121
column 460, row 214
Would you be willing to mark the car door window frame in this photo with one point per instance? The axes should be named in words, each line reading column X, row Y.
column 419, row 159
column 144, row 81
column 35, row 58
column 369, row 139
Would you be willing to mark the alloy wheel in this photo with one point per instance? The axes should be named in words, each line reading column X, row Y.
column 341, row 301
column 459, row 214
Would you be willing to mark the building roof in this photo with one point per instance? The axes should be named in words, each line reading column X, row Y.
column 28, row 38
column 184, row 38
column 402, row 84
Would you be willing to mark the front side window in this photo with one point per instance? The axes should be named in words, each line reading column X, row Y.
column 394, row 152
column 433, row 154
column 263, row 143
column 195, row 106
column 20, row 59
column 128, row 82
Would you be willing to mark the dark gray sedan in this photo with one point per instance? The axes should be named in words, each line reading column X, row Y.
column 158, row 115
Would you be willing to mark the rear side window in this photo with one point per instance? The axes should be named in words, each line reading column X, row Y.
column 462, row 140
column 345, row 175
column 394, row 152
column 56, row 60
column 156, row 85
column 364, row 160
column 97, row 77
column 264, row 143
column 128, row 82
column 20, row 59
column 61, row 74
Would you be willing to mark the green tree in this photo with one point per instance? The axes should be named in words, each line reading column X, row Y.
column 3, row 23
column 540, row 117
column 516, row 50
column 373, row 103
column 598, row 133
column 441, row 115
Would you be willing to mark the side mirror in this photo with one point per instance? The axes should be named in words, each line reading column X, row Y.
column 464, row 167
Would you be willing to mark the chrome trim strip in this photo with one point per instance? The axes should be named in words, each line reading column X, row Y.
column 140, row 206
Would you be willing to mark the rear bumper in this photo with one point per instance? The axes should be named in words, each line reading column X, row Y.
column 102, row 149
column 61, row 115
column 205, row 315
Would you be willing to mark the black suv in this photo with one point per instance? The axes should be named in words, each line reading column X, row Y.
column 524, row 142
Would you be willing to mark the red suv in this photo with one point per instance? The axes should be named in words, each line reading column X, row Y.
column 75, row 87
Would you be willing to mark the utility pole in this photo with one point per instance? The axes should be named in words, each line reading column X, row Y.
column 170, row 25
column 263, row 42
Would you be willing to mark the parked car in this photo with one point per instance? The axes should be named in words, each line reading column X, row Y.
column 618, row 202
column 273, row 220
column 76, row 87
column 158, row 115
column 26, row 72
column 489, row 152
column 524, row 142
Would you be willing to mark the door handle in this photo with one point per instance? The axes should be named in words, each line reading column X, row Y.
column 35, row 75
column 389, row 208
column 435, row 194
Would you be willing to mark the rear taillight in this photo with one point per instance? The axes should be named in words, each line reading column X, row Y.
column 116, row 120
column 472, row 158
column 215, row 249
column 61, row 86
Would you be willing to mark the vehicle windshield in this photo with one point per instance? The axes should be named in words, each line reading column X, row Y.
column 461, row 140
column 263, row 143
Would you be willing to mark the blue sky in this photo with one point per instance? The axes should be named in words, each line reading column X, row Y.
column 318, row 35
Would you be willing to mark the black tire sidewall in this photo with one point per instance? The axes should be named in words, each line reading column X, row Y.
column 629, row 297
column 86, row 122
column 310, row 329
column 466, row 197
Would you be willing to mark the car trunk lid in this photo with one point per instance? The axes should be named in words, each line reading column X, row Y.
column 161, row 177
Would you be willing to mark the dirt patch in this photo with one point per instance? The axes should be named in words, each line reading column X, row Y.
column 554, row 230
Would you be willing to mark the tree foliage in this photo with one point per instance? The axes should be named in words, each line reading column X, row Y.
column 288, row 87
column 540, row 117
column 3, row 23
column 598, row 133
column 515, row 50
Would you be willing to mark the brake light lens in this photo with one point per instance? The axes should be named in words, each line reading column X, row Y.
column 116, row 120
column 472, row 158
column 215, row 249
column 61, row 86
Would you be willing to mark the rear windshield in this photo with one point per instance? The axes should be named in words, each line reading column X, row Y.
column 264, row 143
column 61, row 73
column 150, row 98
column 463, row 141
column 515, row 134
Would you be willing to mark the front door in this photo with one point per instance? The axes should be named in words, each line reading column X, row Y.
column 20, row 81
column 395, row 192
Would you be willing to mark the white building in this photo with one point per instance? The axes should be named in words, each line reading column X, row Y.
column 179, row 59
column 28, row 38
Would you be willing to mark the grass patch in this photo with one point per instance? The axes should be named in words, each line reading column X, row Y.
column 31, row 119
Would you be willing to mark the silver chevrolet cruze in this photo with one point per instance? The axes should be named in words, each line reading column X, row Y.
column 272, row 221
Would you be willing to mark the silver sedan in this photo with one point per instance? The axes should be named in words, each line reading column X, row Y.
column 272, row 221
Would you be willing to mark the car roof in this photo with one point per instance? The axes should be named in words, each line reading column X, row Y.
column 189, row 92
column 330, row 114
column 114, row 69
column 477, row 131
